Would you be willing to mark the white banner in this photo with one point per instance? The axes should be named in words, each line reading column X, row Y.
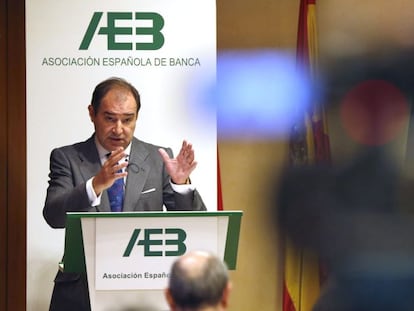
column 167, row 49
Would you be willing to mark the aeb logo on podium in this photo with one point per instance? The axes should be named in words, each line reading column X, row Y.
column 153, row 237
column 129, row 257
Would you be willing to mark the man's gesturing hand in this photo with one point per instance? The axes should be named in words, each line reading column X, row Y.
column 181, row 167
column 109, row 171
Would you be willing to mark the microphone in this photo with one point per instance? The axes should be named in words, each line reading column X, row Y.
column 133, row 167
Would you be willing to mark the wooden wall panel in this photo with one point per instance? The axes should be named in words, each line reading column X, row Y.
column 247, row 24
column 16, row 156
column 3, row 154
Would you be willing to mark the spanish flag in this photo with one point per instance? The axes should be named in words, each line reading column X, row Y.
column 309, row 144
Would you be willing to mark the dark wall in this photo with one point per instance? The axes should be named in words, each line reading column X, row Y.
column 3, row 156
column 12, row 156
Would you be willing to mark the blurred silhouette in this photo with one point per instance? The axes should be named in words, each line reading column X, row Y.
column 358, row 217
column 351, row 217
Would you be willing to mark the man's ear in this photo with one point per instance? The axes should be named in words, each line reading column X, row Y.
column 91, row 113
column 169, row 299
column 226, row 294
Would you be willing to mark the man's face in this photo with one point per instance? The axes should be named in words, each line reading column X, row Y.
column 115, row 120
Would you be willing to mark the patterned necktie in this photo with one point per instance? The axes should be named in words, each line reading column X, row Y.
column 116, row 194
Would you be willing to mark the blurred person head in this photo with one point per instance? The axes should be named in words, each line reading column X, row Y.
column 198, row 281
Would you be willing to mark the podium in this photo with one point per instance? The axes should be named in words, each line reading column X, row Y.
column 127, row 256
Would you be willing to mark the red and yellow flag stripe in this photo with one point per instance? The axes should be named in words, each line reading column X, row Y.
column 301, row 268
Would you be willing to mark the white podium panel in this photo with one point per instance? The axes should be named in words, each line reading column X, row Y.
column 127, row 256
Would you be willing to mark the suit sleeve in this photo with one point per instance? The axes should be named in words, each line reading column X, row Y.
column 63, row 194
column 188, row 202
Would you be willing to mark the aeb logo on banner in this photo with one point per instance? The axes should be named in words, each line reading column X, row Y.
column 135, row 31
column 175, row 240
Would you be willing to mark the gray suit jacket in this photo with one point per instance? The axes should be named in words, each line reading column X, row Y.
column 71, row 166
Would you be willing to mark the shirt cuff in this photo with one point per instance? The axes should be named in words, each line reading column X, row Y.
column 183, row 189
column 94, row 200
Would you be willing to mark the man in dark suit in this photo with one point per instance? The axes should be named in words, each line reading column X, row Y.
column 82, row 174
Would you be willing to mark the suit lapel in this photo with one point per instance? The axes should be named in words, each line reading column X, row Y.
column 138, row 171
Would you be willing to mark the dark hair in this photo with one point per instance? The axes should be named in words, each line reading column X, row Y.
column 199, row 289
column 109, row 84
